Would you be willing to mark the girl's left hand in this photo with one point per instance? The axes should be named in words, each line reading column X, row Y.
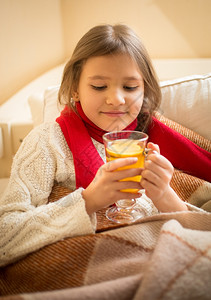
column 156, row 178
column 156, row 175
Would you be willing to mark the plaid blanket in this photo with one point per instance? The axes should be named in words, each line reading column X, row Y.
column 165, row 256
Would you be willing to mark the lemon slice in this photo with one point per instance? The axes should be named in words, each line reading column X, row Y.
column 124, row 148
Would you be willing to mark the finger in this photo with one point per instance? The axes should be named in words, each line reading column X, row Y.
column 151, row 177
column 158, row 160
column 155, row 168
column 114, row 195
column 156, row 174
column 118, row 175
column 118, row 163
column 125, row 185
column 153, row 147
column 150, row 188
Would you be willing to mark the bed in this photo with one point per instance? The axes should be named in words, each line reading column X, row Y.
column 166, row 256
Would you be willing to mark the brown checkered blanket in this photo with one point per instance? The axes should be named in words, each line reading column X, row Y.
column 165, row 256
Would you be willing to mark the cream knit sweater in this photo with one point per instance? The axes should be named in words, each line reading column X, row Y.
column 27, row 221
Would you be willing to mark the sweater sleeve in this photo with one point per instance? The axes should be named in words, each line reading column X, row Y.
column 27, row 221
column 180, row 151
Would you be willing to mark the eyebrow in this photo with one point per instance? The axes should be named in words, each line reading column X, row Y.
column 105, row 77
column 132, row 78
column 98, row 77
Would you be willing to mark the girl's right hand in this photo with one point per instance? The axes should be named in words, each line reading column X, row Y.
column 105, row 189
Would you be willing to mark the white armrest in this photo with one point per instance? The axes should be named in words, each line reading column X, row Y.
column 12, row 136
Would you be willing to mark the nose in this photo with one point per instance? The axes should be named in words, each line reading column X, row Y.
column 115, row 98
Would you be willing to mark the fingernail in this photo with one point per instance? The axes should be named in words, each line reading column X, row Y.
column 134, row 158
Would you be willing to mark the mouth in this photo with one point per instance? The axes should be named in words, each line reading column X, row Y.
column 114, row 113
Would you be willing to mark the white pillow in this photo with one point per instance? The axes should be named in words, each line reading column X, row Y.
column 187, row 101
column 52, row 108
column 36, row 104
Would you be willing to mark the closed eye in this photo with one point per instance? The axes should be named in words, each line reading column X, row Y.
column 99, row 88
column 130, row 88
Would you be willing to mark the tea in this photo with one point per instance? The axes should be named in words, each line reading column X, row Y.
column 127, row 148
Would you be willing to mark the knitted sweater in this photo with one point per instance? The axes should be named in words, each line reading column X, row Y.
column 27, row 221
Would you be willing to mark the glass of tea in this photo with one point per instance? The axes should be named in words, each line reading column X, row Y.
column 121, row 144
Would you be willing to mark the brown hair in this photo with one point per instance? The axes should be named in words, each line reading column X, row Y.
column 104, row 40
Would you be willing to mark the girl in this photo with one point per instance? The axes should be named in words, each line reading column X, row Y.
column 108, row 84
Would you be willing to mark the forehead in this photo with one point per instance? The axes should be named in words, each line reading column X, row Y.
column 109, row 65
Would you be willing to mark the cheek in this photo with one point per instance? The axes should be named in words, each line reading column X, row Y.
column 136, row 106
column 90, row 109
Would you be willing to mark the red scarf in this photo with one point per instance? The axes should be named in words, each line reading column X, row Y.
column 94, row 131
column 78, row 130
column 180, row 151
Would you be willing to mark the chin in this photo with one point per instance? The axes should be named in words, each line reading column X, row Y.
column 114, row 127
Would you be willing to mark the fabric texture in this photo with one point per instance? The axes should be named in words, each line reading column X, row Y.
column 186, row 100
column 165, row 256
column 119, row 262
column 27, row 221
column 180, row 151
column 86, row 158
column 78, row 131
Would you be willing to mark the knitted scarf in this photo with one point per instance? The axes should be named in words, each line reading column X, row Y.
column 78, row 131
column 180, row 151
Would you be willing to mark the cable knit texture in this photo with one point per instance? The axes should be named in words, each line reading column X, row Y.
column 27, row 221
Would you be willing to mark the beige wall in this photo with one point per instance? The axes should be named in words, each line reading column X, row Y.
column 169, row 28
column 36, row 35
column 31, row 39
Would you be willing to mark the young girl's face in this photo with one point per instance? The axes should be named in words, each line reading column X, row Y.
column 111, row 91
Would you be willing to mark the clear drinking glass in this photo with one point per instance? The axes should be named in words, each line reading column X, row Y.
column 121, row 144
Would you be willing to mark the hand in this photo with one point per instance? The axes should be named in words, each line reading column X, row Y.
column 156, row 178
column 157, row 173
column 105, row 189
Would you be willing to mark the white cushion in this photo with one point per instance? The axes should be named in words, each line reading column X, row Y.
column 52, row 108
column 36, row 104
column 187, row 101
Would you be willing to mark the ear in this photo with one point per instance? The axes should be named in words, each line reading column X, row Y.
column 76, row 96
